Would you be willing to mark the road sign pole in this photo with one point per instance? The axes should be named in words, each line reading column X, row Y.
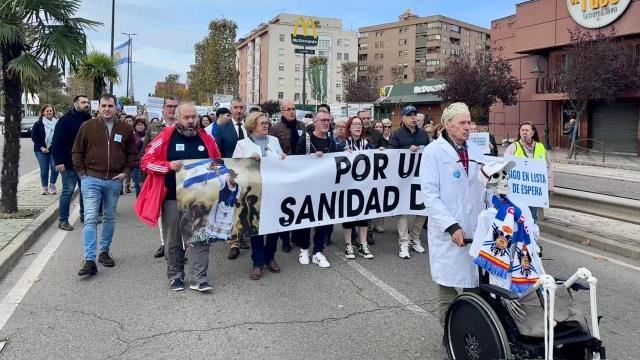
column 304, row 79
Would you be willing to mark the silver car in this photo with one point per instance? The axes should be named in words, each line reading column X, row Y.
column 26, row 125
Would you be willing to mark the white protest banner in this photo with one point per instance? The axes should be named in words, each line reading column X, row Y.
column 528, row 181
column 482, row 140
column 233, row 198
column 155, row 102
column 130, row 110
column 306, row 191
column 154, row 113
column 95, row 105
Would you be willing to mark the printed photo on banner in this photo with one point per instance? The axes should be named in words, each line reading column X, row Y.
column 219, row 200
column 528, row 181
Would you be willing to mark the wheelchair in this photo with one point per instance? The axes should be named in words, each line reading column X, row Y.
column 495, row 323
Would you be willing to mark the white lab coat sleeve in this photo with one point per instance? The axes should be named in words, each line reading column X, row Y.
column 436, row 210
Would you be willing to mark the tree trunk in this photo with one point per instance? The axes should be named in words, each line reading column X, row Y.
column 574, row 135
column 11, row 151
column 97, row 88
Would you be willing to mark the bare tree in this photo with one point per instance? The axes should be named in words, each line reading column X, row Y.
column 397, row 74
column 595, row 66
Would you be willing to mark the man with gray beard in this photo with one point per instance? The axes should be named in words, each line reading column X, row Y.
column 162, row 159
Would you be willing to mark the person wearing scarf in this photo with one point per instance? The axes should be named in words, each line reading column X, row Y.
column 42, row 136
column 256, row 146
column 528, row 145
column 140, row 128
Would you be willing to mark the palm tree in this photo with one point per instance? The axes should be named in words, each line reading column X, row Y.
column 32, row 33
column 98, row 68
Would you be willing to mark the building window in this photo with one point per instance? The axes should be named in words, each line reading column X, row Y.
column 281, row 67
column 465, row 32
column 298, row 67
column 346, row 42
column 280, row 52
column 324, row 42
column 479, row 35
column 345, row 57
column 364, row 46
column 281, row 37
column 338, row 98
column 466, row 44
column 339, row 42
column 444, row 39
column 280, row 95
column 323, row 53
column 434, row 25
column 454, row 28
column 402, row 42
column 403, row 53
column 433, row 62
column 339, row 56
column 296, row 97
column 454, row 41
column 280, row 81
column 433, row 37
column 338, row 85
column 377, row 56
column 454, row 51
column 362, row 68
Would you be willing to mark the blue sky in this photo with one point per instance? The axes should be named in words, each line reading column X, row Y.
column 169, row 29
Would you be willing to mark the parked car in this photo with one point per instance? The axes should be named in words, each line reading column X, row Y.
column 26, row 125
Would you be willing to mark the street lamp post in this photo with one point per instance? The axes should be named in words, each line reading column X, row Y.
column 538, row 71
column 113, row 19
column 129, row 60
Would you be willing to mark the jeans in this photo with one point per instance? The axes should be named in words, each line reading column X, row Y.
column 534, row 213
column 320, row 236
column 48, row 173
column 263, row 249
column 135, row 174
column 69, row 181
column 94, row 191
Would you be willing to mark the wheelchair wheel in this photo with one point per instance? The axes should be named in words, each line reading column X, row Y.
column 473, row 331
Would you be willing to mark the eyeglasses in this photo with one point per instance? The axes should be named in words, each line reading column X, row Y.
column 356, row 125
column 264, row 124
column 387, row 127
column 171, row 106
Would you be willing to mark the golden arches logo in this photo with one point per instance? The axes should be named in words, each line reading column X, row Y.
column 305, row 24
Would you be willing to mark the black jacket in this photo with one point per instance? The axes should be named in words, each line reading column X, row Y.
column 38, row 136
column 65, row 135
column 402, row 138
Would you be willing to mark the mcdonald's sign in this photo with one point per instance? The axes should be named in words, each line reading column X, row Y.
column 307, row 38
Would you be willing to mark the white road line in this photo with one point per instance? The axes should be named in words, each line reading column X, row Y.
column 388, row 289
column 20, row 289
column 589, row 253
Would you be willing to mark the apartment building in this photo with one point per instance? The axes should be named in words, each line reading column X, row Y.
column 396, row 52
column 271, row 70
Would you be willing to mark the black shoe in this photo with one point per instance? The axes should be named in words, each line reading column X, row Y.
column 160, row 252
column 286, row 248
column 65, row 226
column 105, row 259
column 88, row 268
column 233, row 253
column 243, row 244
column 177, row 284
column 203, row 287
column 370, row 240
column 82, row 219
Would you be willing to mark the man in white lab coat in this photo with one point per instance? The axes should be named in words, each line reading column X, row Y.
column 454, row 197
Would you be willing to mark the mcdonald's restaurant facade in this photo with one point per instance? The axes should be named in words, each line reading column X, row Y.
column 532, row 40
column 420, row 94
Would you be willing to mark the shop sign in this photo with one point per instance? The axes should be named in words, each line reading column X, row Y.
column 595, row 14
column 424, row 89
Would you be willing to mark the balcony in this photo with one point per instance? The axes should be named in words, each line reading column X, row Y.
column 546, row 85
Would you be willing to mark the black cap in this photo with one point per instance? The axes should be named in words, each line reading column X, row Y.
column 222, row 111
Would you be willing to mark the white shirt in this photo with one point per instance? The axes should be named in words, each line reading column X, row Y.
column 235, row 127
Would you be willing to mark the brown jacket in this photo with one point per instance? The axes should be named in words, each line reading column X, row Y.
column 97, row 154
column 283, row 133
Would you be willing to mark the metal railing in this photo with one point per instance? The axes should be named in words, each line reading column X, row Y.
column 587, row 145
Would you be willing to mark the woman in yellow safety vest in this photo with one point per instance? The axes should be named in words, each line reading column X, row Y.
column 528, row 145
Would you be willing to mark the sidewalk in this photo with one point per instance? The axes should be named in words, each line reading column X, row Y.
column 17, row 235
column 624, row 162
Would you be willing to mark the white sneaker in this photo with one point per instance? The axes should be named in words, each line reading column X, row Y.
column 318, row 258
column 417, row 247
column 404, row 252
column 348, row 252
column 364, row 251
column 378, row 229
column 304, row 257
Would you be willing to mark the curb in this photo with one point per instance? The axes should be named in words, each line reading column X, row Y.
column 596, row 241
column 596, row 164
column 15, row 250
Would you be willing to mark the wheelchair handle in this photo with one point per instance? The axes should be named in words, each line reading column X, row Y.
column 468, row 241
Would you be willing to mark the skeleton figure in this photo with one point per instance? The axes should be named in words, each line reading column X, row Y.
column 498, row 182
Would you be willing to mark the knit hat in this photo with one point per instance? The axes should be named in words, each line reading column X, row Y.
column 452, row 110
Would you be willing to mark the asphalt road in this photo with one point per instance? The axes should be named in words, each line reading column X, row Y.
column 28, row 161
column 305, row 312
column 600, row 185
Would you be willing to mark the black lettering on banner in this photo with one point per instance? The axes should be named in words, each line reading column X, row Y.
column 401, row 169
column 417, row 173
column 290, row 215
column 341, row 204
column 354, row 169
column 328, row 206
column 413, row 205
column 351, row 210
column 373, row 204
column 342, row 167
column 306, row 211
column 388, row 191
column 380, row 162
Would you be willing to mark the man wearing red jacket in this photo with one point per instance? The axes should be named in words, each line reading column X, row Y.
column 163, row 157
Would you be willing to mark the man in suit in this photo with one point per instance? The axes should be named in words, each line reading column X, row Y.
column 226, row 138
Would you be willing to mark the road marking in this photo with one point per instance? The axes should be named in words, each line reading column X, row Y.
column 592, row 254
column 20, row 289
column 388, row 289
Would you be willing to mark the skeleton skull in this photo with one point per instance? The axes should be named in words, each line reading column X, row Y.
column 495, row 176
